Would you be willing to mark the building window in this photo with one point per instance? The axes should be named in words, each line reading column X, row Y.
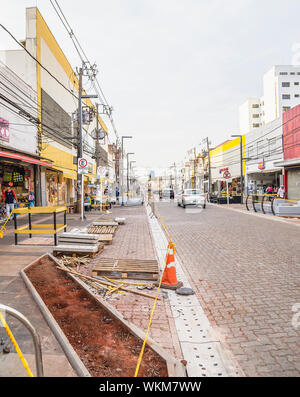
column 272, row 145
column 260, row 147
column 285, row 84
column 296, row 95
column 251, row 151
column 296, row 83
column 255, row 106
column 283, row 73
column 292, row 73
column 255, row 125
column 285, row 108
column 286, row 96
column 255, row 116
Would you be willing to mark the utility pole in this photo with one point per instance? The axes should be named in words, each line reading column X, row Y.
column 122, row 167
column 242, row 171
column 128, row 154
column 80, row 207
column 97, row 157
column 80, row 176
column 209, row 168
column 175, row 187
column 194, row 179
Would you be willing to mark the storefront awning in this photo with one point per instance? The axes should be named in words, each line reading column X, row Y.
column 287, row 163
column 26, row 159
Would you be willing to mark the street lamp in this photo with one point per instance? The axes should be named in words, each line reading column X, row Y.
column 122, row 166
column 242, row 173
column 128, row 154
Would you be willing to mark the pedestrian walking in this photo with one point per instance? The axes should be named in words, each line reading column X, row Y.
column 31, row 199
column 10, row 199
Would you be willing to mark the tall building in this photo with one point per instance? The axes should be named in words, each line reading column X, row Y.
column 250, row 114
column 281, row 92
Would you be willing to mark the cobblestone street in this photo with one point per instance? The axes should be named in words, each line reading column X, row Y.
column 245, row 271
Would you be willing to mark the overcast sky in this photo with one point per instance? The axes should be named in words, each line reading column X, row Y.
column 175, row 71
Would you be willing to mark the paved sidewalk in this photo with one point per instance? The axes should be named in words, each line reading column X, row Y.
column 134, row 241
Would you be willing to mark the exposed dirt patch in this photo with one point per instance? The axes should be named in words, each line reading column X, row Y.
column 104, row 345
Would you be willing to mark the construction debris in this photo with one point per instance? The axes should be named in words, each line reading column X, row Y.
column 105, row 223
column 95, row 280
column 75, row 250
column 120, row 221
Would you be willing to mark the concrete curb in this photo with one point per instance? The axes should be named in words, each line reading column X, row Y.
column 70, row 353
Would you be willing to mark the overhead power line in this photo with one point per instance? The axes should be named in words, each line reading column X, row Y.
column 84, row 58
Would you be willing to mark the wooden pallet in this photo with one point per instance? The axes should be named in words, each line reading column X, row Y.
column 77, row 251
column 105, row 238
column 102, row 229
column 126, row 268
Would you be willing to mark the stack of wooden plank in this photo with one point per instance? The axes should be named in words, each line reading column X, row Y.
column 74, row 249
column 126, row 268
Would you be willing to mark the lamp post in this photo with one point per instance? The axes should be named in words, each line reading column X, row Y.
column 242, row 173
column 128, row 154
column 122, row 166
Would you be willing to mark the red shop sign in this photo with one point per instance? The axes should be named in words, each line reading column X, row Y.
column 4, row 130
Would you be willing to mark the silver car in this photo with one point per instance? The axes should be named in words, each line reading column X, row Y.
column 191, row 197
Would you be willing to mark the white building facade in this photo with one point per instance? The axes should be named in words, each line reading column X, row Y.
column 281, row 92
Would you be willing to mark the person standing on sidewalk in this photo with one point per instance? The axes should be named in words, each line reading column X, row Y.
column 281, row 192
column 10, row 199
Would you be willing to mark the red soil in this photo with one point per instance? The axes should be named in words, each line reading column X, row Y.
column 102, row 342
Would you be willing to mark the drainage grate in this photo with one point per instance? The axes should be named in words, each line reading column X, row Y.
column 204, row 359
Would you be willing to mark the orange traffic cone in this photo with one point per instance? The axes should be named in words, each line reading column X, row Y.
column 169, row 278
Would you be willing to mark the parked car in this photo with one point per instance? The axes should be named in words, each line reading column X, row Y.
column 191, row 197
column 166, row 193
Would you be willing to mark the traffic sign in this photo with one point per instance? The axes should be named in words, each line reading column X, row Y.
column 226, row 174
column 83, row 166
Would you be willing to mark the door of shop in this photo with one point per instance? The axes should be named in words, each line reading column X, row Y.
column 293, row 184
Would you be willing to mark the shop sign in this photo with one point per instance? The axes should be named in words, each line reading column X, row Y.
column 4, row 130
column 83, row 166
column 261, row 165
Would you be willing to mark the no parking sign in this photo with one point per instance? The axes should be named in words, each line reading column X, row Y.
column 83, row 166
column 227, row 174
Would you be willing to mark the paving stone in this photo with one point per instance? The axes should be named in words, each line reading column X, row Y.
column 244, row 270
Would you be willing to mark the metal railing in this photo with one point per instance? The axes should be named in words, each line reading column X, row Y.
column 35, row 336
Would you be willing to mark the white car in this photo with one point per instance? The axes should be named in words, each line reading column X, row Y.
column 191, row 197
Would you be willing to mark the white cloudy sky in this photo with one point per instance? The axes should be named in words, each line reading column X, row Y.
column 175, row 71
